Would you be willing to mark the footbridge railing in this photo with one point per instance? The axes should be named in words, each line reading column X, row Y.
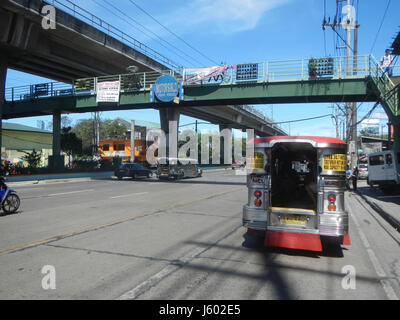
column 312, row 69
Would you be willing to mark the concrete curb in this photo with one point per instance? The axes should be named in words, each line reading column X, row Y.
column 395, row 223
column 35, row 181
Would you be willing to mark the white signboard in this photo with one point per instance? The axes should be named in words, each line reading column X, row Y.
column 108, row 91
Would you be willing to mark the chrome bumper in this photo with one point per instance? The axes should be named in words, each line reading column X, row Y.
column 333, row 224
column 254, row 218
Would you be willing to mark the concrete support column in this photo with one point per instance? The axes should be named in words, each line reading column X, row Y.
column 3, row 77
column 169, row 120
column 225, row 132
column 56, row 161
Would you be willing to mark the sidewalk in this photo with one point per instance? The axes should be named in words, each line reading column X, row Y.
column 388, row 206
column 53, row 178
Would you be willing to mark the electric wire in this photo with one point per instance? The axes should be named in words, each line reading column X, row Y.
column 173, row 33
column 380, row 27
column 306, row 119
column 147, row 30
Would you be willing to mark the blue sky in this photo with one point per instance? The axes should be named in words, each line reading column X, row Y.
column 240, row 31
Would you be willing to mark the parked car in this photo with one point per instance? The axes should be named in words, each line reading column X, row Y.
column 133, row 170
column 363, row 171
column 238, row 165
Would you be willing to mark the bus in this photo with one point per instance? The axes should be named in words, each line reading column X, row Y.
column 122, row 148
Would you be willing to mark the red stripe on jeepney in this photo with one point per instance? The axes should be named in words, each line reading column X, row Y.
column 291, row 240
column 316, row 139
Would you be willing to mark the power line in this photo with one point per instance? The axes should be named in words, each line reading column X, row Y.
column 146, row 29
column 306, row 119
column 383, row 20
column 173, row 33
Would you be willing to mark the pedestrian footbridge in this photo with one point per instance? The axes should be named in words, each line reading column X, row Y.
column 332, row 79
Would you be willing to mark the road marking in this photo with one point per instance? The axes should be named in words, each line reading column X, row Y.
column 390, row 293
column 153, row 280
column 385, row 197
column 111, row 223
column 129, row 195
column 170, row 268
column 72, row 192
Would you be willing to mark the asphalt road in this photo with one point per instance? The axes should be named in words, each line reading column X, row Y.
column 109, row 239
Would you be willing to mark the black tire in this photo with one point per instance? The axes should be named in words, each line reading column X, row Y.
column 11, row 203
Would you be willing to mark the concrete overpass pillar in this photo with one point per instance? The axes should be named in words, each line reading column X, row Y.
column 225, row 143
column 3, row 77
column 56, row 161
column 169, row 120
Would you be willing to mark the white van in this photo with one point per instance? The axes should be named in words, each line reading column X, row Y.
column 384, row 170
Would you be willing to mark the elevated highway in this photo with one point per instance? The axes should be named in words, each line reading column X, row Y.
column 82, row 45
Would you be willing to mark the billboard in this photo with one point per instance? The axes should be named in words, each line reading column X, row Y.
column 370, row 127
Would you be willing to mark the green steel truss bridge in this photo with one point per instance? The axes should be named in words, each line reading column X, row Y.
column 333, row 79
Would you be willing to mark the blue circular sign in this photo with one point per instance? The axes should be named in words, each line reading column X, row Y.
column 166, row 88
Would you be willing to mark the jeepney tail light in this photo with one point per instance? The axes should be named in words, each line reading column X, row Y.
column 332, row 204
column 257, row 203
column 258, row 195
column 332, row 198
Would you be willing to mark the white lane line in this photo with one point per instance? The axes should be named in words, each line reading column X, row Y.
column 72, row 192
column 129, row 195
column 387, row 197
column 390, row 293
column 152, row 281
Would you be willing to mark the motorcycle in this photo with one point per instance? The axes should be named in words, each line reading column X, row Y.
column 10, row 201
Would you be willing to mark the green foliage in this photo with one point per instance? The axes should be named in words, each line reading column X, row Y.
column 33, row 158
column 70, row 143
column 109, row 130
column 115, row 129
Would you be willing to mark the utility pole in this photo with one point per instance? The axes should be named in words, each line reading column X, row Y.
column 96, row 134
column 350, row 23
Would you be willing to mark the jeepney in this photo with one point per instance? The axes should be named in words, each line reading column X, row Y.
column 177, row 168
column 296, row 188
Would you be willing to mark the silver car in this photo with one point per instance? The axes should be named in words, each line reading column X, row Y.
column 363, row 171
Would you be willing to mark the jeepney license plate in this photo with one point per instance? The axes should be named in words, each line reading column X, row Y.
column 294, row 219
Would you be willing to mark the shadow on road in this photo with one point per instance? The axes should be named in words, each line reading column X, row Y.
column 182, row 181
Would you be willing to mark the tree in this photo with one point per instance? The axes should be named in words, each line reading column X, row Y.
column 65, row 123
column 84, row 131
column 33, row 158
column 115, row 129
column 70, row 143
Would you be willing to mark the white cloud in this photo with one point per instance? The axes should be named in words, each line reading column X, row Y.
column 223, row 16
